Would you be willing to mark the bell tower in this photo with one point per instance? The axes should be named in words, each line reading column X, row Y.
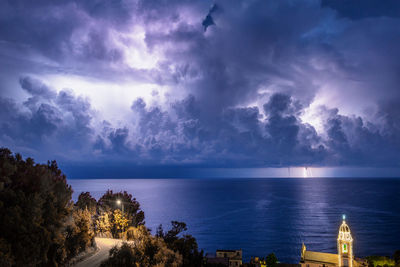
column 345, row 245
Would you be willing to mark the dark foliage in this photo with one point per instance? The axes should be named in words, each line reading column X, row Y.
column 79, row 232
column 34, row 205
column 185, row 245
column 108, row 202
column 214, row 265
column 85, row 200
column 123, row 256
column 396, row 257
column 146, row 250
column 36, row 214
column 374, row 261
column 271, row 260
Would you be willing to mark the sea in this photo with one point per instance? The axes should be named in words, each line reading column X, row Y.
column 265, row 215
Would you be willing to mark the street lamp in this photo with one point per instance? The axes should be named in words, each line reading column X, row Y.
column 119, row 202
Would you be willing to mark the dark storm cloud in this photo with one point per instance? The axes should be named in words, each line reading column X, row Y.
column 359, row 9
column 241, row 76
column 235, row 137
column 118, row 139
column 53, row 121
column 282, row 129
column 389, row 114
column 239, row 136
column 40, row 24
column 97, row 48
column 66, row 36
column 209, row 21
column 36, row 88
column 246, row 52
column 353, row 141
column 42, row 119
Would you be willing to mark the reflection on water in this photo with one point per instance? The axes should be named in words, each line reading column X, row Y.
column 269, row 215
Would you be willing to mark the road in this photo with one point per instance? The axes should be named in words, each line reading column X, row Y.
column 104, row 245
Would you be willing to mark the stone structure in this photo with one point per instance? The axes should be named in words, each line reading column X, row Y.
column 231, row 258
column 344, row 258
column 345, row 245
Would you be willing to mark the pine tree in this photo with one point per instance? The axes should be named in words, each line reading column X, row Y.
column 103, row 224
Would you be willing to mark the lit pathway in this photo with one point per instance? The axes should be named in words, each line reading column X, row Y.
column 104, row 245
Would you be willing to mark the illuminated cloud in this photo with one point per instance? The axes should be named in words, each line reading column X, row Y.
column 206, row 84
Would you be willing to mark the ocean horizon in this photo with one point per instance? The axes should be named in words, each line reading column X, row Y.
column 264, row 215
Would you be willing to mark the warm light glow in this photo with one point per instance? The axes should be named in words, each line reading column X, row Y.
column 345, row 244
column 119, row 202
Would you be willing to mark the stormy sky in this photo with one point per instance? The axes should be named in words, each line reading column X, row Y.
column 146, row 87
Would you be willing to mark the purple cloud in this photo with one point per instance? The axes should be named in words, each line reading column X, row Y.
column 178, row 83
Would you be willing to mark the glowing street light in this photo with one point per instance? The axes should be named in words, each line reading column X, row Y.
column 119, row 202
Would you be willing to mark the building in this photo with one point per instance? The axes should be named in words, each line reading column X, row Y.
column 210, row 258
column 231, row 258
column 344, row 258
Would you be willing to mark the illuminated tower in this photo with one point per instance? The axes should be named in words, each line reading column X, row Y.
column 345, row 245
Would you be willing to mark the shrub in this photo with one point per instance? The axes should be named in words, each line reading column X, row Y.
column 185, row 245
column 145, row 250
column 271, row 260
column 80, row 234
column 380, row 261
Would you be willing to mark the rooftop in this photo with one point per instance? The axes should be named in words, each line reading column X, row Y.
column 320, row 257
column 228, row 250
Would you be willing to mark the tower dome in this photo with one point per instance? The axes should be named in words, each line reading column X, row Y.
column 344, row 232
column 345, row 245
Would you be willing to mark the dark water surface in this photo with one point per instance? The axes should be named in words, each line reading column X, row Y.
column 269, row 215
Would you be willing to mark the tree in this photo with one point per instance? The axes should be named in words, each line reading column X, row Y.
column 379, row 261
column 42, row 227
column 129, row 234
column 396, row 258
column 109, row 202
column 119, row 223
column 6, row 257
column 35, row 202
column 185, row 245
column 80, row 234
column 85, row 200
column 103, row 225
column 271, row 260
column 146, row 250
